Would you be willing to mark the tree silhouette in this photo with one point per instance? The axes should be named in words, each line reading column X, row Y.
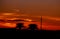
column 32, row 26
column 19, row 26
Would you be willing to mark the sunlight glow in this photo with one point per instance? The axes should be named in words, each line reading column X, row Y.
column 51, row 18
column 7, row 14
column 27, row 19
column 9, row 24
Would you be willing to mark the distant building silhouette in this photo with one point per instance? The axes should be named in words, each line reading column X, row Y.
column 32, row 27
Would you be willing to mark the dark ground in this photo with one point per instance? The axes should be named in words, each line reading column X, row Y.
column 42, row 33
column 37, row 31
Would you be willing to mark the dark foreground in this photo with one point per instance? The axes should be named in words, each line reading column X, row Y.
column 31, row 32
column 14, row 30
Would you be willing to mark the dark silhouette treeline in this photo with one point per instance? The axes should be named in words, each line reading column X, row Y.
column 32, row 27
column 20, row 28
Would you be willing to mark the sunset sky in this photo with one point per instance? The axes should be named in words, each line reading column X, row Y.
column 32, row 7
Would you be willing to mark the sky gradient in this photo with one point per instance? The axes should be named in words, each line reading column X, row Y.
column 32, row 7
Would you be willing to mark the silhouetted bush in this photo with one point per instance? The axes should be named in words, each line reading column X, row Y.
column 19, row 26
column 32, row 26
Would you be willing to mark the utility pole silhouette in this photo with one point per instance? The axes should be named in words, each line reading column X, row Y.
column 41, row 22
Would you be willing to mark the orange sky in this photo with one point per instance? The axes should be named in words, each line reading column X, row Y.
column 32, row 9
column 48, row 23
